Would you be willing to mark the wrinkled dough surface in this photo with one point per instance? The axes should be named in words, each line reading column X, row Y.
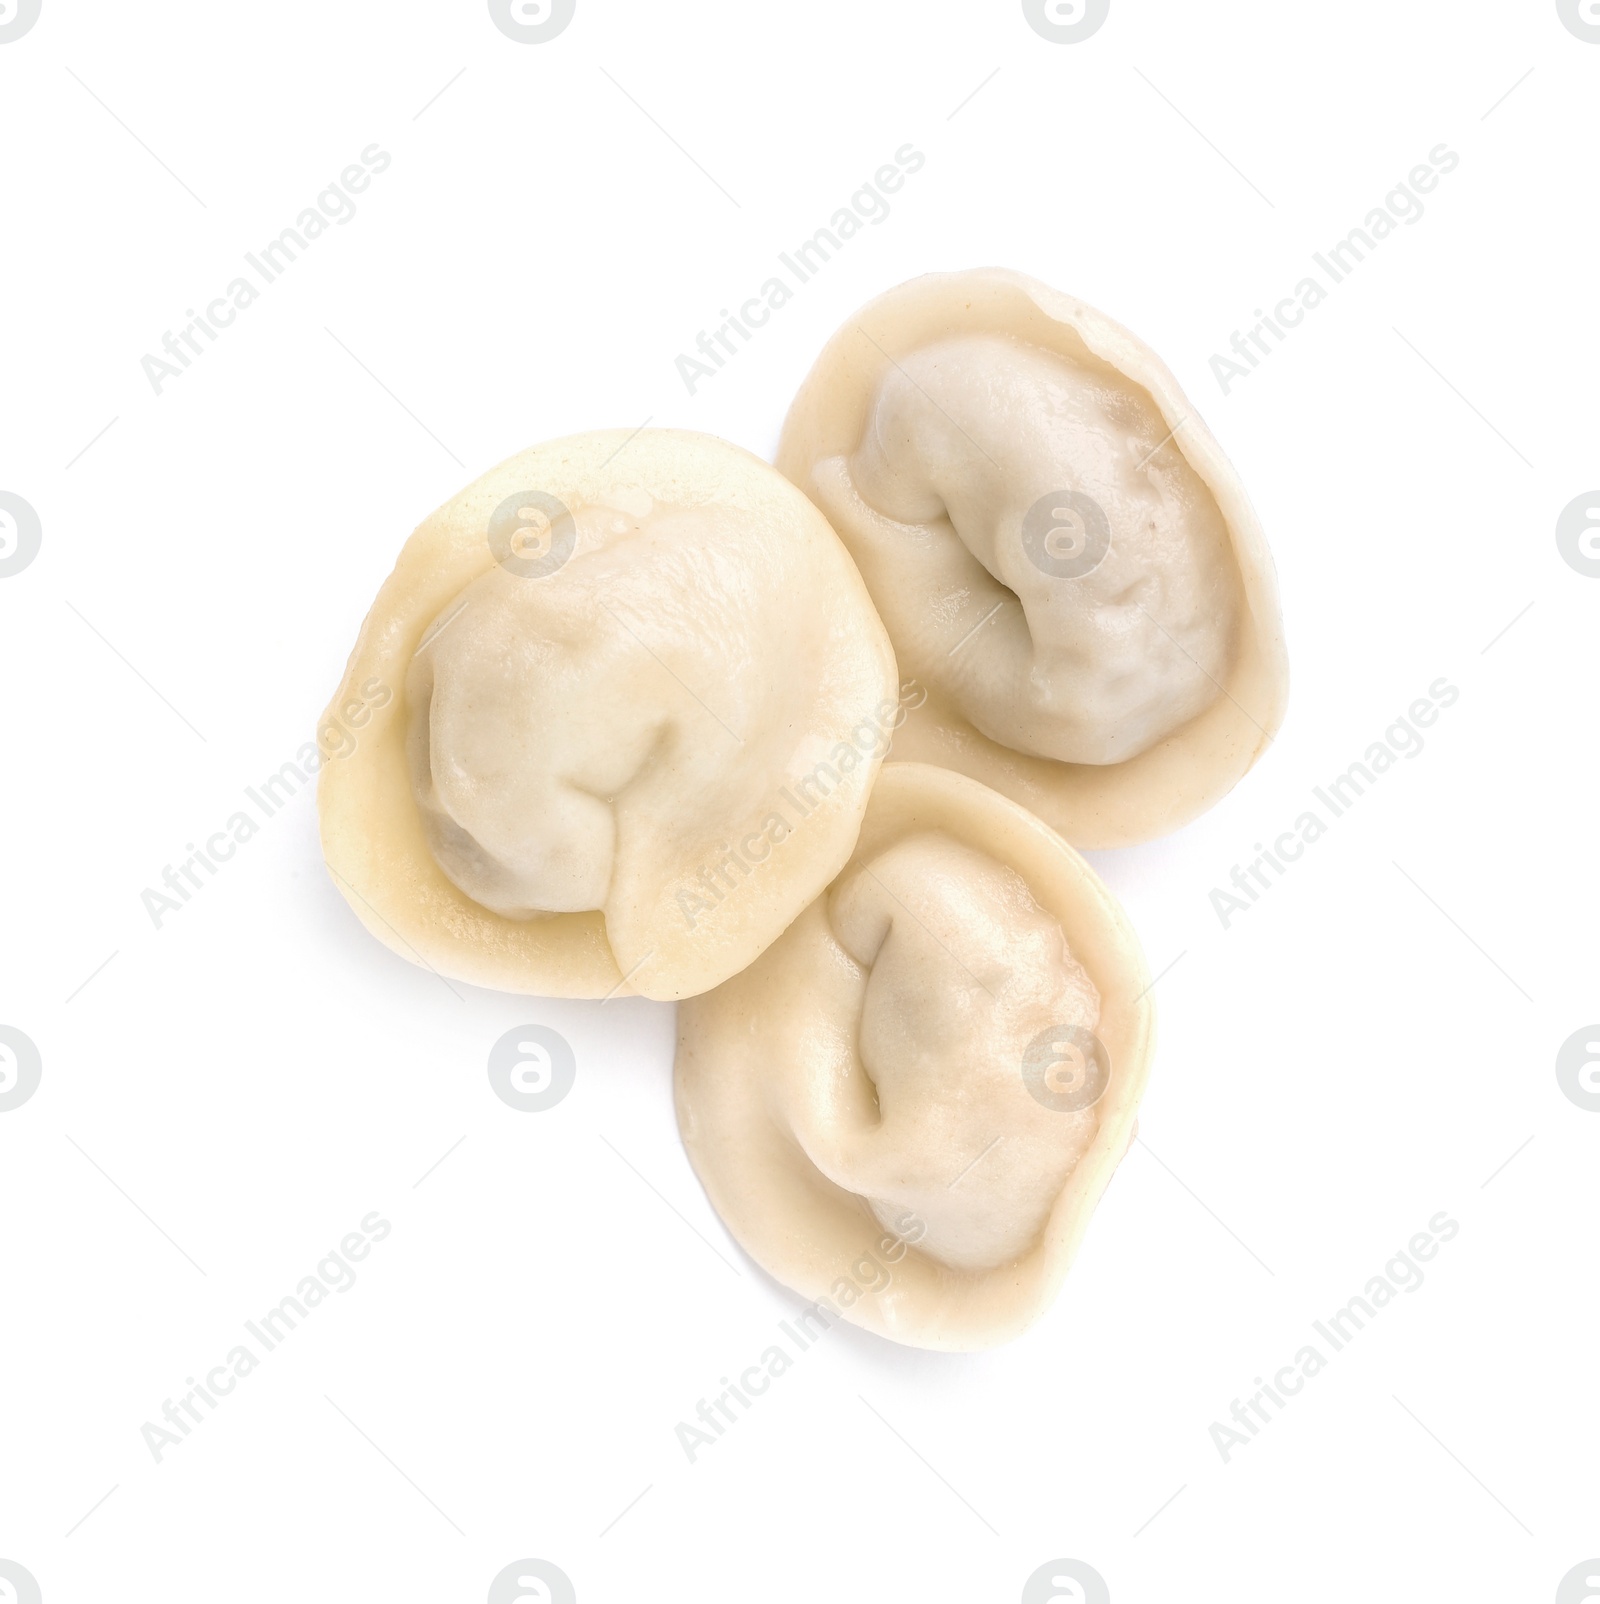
column 573, row 735
column 964, row 971
column 966, row 438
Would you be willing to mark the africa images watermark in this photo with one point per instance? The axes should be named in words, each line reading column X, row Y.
column 20, row 534
column 532, row 22
column 335, row 739
column 1401, row 1274
column 532, row 1581
column 334, row 1273
column 335, row 204
column 794, row 803
column 1403, row 738
column 532, row 1068
column 869, row 204
column 1403, row 204
column 868, row 1275
column 20, row 1584
column 21, row 1068
column 1577, row 534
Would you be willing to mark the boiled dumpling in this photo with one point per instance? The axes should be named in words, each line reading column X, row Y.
column 908, row 1107
column 1064, row 560
column 639, row 699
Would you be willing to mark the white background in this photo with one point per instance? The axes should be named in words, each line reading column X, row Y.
column 229, row 1095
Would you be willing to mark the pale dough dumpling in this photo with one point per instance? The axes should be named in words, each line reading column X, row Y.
column 1100, row 559
column 640, row 698
column 964, row 970
column 908, row 1107
column 1065, row 562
